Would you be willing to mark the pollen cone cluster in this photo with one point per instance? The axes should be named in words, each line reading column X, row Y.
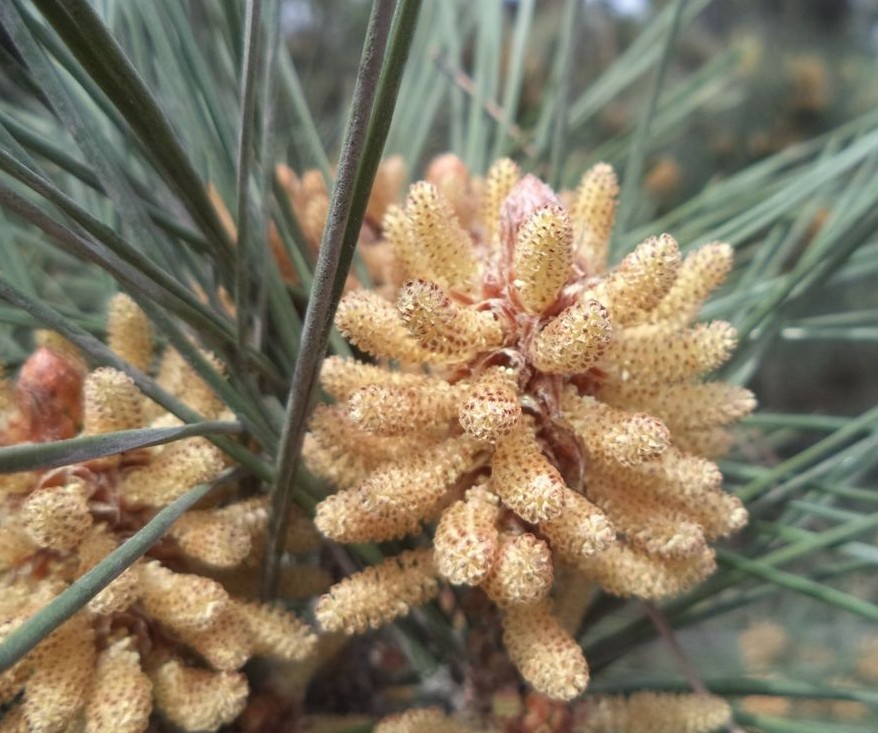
column 166, row 635
column 533, row 405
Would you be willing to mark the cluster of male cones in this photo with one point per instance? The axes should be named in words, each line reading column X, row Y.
column 541, row 410
column 166, row 635
column 542, row 414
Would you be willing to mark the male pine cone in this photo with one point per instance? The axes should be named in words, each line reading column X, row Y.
column 166, row 637
column 544, row 409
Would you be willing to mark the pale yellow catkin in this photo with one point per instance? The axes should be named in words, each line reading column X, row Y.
column 492, row 408
column 466, row 538
column 702, row 272
column 659, row 528
column 394, row 498
column 377, row 595
column 441, row 326
column 57, row 517
column 180, row 601
column 120, row 696
column 684, row 406
column 625, row 571
column 124, row 590
column 640, row 281
column 655, row 712
column 341, row 377
column 422, row 720
column 573, row 341
column 580, row 531
column 543, row 257
column 178, row 467
column 615, row 436
column 111, row 402
column 396, row 410
column 212, row 537
column 501, row 177
column 129, row 332
column 408, row 258
column 373, row 325
column 524, row 478
column 545, row 654
column 198, row 699
column 593, row 213
column 659, row 354
column 522, row 572
column 63, row 666
column 437, row 233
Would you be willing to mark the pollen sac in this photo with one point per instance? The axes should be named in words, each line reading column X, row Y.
column 373, row 325
column 626, row 571
column 466, row 538
column 636, row 287
column 657, row 712
column 57, row 517
column 337, row 450
column 274, row 632
column 441, row 326
column 573, row 341
column 112, row 402
column 394, row 410
column 616, row 436
column 685, row 406
column 659, row 528
column 386, row 188
column 702, row 272
column 63, row 666
column 120, row 697
column 340, row 378
column 546, row 655
column 657, row 354
column 491, row 410
column 502, row 176
column 212, row 537
column 198, row 699
column 16, row 545
column 124, row 590
column 178, row 467
column 393, row 500
column 543, row 257
column 436, row 231
column 451, row 177
column 178, row 600
column 580, row 531
column 408, row 258
column 177, row 376
column 225, row 644
column 129, row 332
column 593, row 213
column 379, row 594
column 524, row 479
column 522, row 573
